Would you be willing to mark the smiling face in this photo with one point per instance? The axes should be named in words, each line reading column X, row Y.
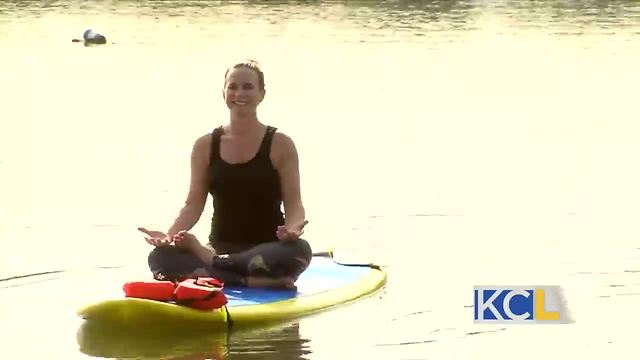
column 243, row 88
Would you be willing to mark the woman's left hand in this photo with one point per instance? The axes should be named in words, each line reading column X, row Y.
column 292, row 232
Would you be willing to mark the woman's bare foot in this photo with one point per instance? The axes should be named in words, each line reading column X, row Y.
column 284, row 282
column 187, row 240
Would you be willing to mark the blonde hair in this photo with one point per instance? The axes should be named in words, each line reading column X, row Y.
column 249, row 64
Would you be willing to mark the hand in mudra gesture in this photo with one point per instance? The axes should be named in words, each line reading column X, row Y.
column 156, row 238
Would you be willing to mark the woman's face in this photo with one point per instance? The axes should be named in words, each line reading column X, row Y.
column 242, row 91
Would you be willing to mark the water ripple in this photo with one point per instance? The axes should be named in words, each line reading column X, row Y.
column 484, row 332
column 407, row 343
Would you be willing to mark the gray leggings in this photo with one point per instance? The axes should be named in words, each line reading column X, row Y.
column 273, row 259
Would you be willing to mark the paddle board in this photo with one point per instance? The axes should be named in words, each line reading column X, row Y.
column 323, row 285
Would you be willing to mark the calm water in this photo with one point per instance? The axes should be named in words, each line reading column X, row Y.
column 455, row 142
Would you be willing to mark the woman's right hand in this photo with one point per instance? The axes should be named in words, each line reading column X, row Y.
column 156, row 238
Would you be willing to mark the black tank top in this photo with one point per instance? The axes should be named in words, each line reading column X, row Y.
column 246, row 198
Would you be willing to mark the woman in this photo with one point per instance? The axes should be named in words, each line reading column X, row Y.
column 250, row 170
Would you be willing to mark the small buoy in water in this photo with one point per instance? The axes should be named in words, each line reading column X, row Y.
column 91, row 37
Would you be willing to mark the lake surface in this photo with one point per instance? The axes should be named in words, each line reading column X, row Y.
column 456, row 143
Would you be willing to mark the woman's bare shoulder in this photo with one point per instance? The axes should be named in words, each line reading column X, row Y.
column 204, row 139
column 283, row 140
column 283, row 148
column 202, row 144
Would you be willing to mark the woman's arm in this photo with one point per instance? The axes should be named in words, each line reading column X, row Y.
column 287, row 165
column 198, row 187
